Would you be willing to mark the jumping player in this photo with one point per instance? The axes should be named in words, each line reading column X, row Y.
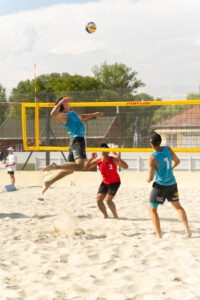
column 164, row 187
column 77, row 154
column 111, row 180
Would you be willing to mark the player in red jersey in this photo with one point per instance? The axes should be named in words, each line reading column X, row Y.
column 111, row 180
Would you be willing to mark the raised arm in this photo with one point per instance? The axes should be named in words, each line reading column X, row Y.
column 57, row 114
column 92, row 162
column 84, row 117
column 152, row 162
column 119, row 162
column 176, row 160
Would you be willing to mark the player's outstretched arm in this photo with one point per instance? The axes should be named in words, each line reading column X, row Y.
column 92, row 162
column 84, row 117
column 119, row 162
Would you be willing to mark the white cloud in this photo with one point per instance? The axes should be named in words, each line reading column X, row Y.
column 77, row 47
column 197, row 42
column 156, row 38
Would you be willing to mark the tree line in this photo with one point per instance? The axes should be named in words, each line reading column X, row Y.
column 116, row 82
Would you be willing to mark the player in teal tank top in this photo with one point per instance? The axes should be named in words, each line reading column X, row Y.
column 163, row 170
column 74, row 125
column 160, row 168
column 72, row 122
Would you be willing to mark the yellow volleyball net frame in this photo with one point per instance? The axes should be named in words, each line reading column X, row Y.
column 37, row 146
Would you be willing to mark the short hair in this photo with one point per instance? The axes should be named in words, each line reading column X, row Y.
column 61, row 108
column 155, row 139
column 104, row 145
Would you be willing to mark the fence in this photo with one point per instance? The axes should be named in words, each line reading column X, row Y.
column 136, row 164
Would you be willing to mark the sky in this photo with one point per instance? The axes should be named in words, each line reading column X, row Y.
column 159, row 39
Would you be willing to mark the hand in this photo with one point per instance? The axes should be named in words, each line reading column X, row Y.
column 66, row 99
column 93, row 155
column 98, row 114
column 6, row 165
column 116, row 155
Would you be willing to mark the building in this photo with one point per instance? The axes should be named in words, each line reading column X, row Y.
column 182, row 130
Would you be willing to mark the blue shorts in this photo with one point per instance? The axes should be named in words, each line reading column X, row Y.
column 153, row 204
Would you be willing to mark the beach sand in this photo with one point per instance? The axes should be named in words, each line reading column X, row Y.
column 62, row 248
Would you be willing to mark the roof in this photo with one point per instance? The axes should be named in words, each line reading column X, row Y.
column 12, row 128
column 185, row 119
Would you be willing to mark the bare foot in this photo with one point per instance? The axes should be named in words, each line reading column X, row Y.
column 188, row 235
column 49, row 167
column 159, row 236
column 45, row 187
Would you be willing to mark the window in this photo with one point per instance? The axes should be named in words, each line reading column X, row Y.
column 171, row 140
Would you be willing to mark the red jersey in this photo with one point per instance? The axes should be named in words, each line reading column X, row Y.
column 108, row 171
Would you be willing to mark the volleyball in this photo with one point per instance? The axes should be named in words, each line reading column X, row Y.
column 90, row 27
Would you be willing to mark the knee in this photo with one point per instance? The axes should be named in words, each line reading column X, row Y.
column 80, row 166
column 152, row 210
column 177, row 206
column 99, row 199
column 180, row 208
column 108, row 200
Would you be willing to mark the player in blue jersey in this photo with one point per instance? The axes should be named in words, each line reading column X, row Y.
column 160, row 168
column 72, row 122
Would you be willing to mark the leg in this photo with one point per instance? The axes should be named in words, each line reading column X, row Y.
column 56, row 177
column 183, row 217
column 78, row 165
column 101, row 205
column 155, row 220
column 12, row 178
column 111, row 205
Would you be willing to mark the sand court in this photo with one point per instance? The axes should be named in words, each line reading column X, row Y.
column 62, row 248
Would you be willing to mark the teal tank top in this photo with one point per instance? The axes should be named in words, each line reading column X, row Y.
column 163, row 171
column 74, row 125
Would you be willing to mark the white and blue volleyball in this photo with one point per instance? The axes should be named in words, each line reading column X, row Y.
column 91, row 27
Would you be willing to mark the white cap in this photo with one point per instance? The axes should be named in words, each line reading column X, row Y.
column 10, row 149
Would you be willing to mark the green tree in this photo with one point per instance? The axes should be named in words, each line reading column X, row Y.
column 193, row 96
column 116, row 76
column 56, row 84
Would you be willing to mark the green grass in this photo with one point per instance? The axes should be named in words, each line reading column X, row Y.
column 29, row 167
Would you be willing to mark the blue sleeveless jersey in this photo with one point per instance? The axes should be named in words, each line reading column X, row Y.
column 163, row 171
column 74, row 125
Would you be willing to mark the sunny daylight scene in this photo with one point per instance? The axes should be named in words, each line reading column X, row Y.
column 99, row 149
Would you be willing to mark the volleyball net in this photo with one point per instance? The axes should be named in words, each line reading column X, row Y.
column 125, row 126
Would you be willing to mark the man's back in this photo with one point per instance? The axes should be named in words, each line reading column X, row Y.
column 163, row 170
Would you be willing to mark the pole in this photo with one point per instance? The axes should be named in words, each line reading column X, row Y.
column 47, row 129
column 119, row 124
column 35, row 83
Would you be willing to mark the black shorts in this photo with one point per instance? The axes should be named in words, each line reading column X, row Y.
column 77, row 149
column 11, row 172
column 110, row 189
column 161, row 192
